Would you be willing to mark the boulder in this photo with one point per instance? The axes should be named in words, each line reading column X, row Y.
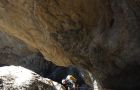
column 19, row 78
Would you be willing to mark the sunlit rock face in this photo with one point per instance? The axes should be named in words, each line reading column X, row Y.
column 19, row 78
column 99, row 35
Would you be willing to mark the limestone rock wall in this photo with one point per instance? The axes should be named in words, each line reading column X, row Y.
column 99, row 35
column 15, row 52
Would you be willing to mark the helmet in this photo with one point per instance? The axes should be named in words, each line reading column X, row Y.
column 70, row 77
column 63, row 81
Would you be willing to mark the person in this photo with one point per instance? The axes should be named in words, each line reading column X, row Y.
column 70, row 82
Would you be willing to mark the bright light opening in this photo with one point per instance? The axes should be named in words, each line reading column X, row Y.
column 95, row 85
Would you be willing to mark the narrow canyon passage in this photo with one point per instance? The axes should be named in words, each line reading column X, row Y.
column 101, row 36
column 15, row 52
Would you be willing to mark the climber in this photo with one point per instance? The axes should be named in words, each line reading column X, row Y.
column 70, row 82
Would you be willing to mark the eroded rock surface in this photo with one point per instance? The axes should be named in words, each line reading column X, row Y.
column 19, row 78
column 99, row 35
column 15, row 52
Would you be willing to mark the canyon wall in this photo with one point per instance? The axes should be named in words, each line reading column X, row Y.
column 101, row 36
